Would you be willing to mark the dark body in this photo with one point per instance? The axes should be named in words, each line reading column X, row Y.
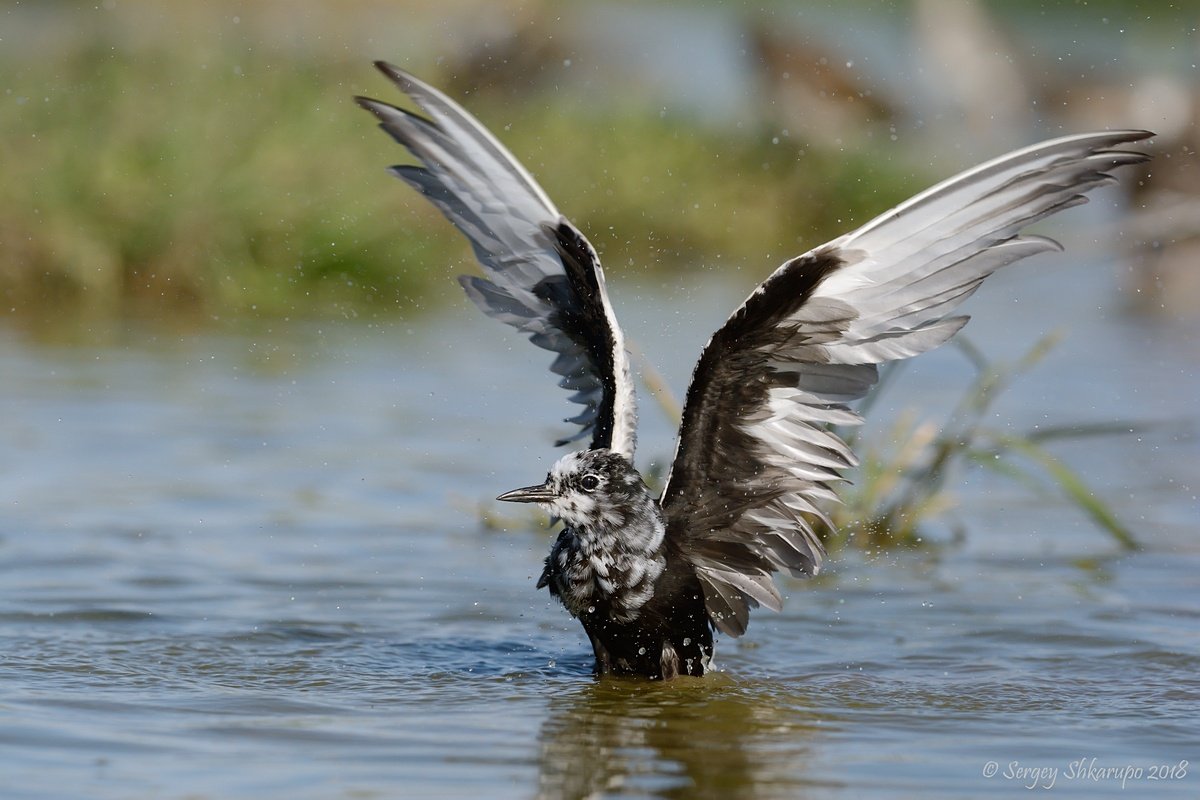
column 671, row 636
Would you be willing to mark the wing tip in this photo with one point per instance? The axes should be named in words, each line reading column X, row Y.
column 1103, row 139
column 408, row 83
column 394, row 73
column 377, row 107
column 412, row 175
column 1045, row 243
column 1134, row 134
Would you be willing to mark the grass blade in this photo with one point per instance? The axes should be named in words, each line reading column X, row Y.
column 1075, row 489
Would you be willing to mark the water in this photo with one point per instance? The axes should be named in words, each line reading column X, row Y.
column 251, row 564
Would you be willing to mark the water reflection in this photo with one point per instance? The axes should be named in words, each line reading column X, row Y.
column 705, row 737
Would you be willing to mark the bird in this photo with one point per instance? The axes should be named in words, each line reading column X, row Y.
column 653, row 578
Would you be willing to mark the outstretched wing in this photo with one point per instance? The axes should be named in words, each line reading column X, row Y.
column 755, row 459
column 544, row 278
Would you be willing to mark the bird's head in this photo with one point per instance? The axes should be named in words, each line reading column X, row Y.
column 588, row 488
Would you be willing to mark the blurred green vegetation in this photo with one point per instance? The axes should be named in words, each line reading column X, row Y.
column 220, row 178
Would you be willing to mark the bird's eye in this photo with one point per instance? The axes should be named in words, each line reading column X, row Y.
column 589, row 483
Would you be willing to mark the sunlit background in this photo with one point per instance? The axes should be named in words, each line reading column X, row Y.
column 205, row 158
column 250, row 430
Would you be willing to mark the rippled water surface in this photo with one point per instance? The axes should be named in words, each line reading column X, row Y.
column 252, row 564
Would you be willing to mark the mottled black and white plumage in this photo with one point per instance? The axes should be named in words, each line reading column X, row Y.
column 755, row 461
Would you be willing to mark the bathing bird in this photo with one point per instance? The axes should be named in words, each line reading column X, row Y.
column 756, row 460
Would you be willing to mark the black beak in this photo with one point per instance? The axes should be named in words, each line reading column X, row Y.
column 542, row 493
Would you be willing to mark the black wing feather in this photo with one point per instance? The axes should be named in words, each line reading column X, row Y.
column 755, row 461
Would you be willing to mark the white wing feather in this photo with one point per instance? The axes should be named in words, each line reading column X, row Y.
column 754, row 461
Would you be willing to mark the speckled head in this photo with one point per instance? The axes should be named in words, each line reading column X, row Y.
column 586, row 488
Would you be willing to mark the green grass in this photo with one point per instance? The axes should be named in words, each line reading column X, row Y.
column 224, row 179
column 904, row 481
column 161, row 182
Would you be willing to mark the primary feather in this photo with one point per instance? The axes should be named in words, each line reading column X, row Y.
column 754, row 461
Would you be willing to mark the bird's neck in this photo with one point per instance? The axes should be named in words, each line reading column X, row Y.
column 636, row 528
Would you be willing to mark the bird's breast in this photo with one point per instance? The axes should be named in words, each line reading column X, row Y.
column 590, row 579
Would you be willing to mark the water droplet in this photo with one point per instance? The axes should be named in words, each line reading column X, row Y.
column 687, row 640
column 591, row 609
column 641, row 651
